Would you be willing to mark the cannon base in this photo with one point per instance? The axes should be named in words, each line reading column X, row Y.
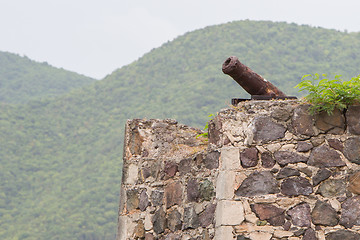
column 236, row 101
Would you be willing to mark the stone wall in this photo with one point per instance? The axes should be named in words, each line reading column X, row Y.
column 268, row 171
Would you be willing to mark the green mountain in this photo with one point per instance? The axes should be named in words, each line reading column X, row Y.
column 22, row 79
column 61, row 158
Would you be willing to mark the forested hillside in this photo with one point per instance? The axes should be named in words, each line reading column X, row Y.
column 61, row 159
column 22, row 79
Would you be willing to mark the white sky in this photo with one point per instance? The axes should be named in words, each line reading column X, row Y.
column 95, row 37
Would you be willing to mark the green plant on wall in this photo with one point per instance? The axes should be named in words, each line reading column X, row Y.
column 328, row 94
column 206, row 133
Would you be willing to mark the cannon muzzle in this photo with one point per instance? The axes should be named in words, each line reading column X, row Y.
column 252, row 82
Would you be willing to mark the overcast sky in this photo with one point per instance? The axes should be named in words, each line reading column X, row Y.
column 95, row 37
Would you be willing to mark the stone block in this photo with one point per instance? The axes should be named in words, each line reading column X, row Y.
column 131, row 174
column 353, row 119
column 225, row 185
column 300, row 215
column 260, row 236
column 324, row 156
column 230, row 159
column 229, row 213
column 354, row 183
column 266, row 130
column 223, row 232
column 258, row 183
column 173, row 194
column 296, row 186
column 352, row 149
column 249, row 157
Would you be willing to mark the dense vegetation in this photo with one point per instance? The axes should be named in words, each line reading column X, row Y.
column 61, row 158
column 22, row 79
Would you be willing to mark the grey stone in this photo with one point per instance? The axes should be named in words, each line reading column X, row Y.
column 206, row 190
column 258, row 183
column 324, row 156
column 192, row 190
column 267, row 130
column 144, row 200
column 303, row 146
column 287, row 172
column 332, row 124
column 207, row 216
column 300, row 215
column 170, row 169
column 336, row 144
column 159, row 221
column 321, row 175
column 281, row 113
column 214, row 130
column 353, row 119
column 157, row 198
column 274, row 215
column 132, row 199
column 302, row 122
column 352, row 149
column 309, row 234
column 350, row 213
column 185, row 166
column 211, row 160
column 267, row 160
column 191, row 219
column 173, row 194
column 249, row 157
column 172, row 236
column 296, row 186
column 285, row 157
column 139, row 231
column 324, row 214
column 174, row 222
column 332, row 188
column 343, row 235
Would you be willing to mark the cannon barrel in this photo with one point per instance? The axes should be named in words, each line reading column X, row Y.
column 252, row 82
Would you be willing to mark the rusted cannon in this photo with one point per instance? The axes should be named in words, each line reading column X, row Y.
column 253, row 83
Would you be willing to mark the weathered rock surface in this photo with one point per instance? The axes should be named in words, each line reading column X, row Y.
column 144, row 200
column 321, row 175
column 249, row 157
column 354, row 183
column 343, row 235
column 258, row 183
column 206, row 190
column 352, row 149
column 132, row 199
column 267, row 130
column 159, row 221
column 157, row 198
column 211, row 160
column 274, row 215
column 192, row 190
column 287, row 172
column 267, row 160
column 324, row 156
column 286, row 157
column 333, row 124
column 352, row 119
column 173, row 194
column 304, row 146
column 350, row 214
column 174, row 222
column 324, row 214
column 296, row 186
column 309, row 234
column 191, row 219
column 207, row 216
column 300, row 215
column 302, row 122
column 332, row 188
column 336, row 144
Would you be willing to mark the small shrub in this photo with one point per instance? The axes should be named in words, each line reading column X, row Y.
column 327, row 95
